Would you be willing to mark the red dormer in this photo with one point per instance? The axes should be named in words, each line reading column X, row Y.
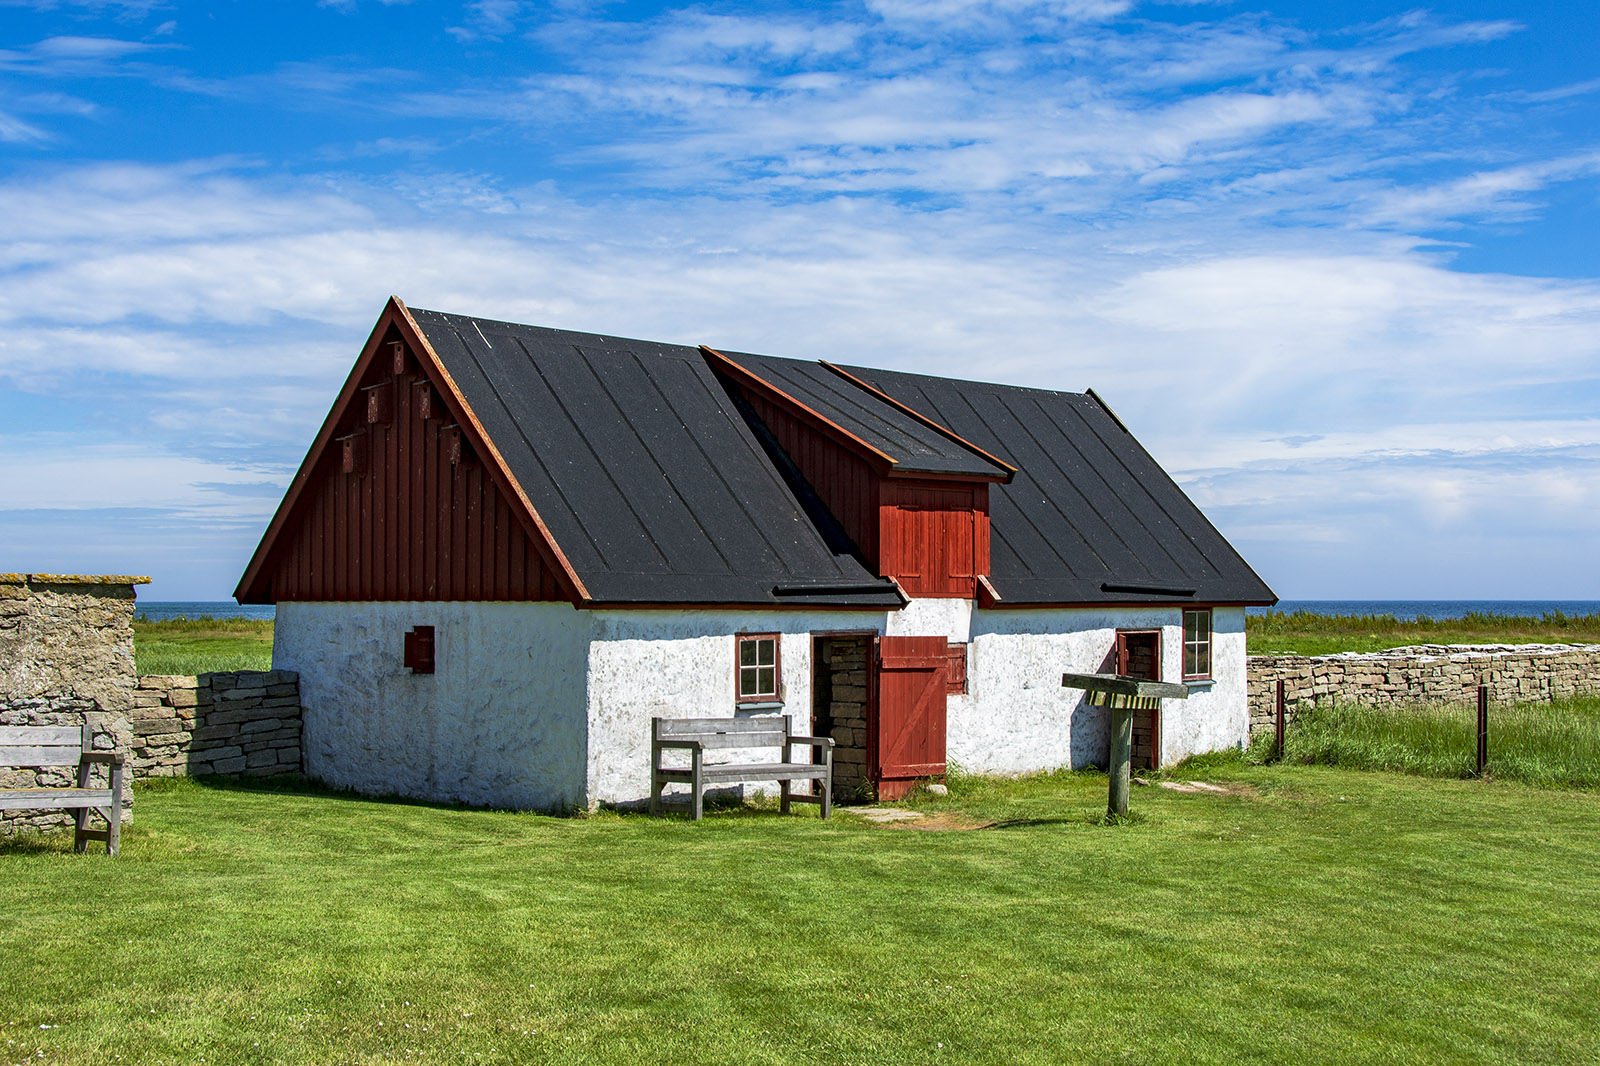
column 912, row 495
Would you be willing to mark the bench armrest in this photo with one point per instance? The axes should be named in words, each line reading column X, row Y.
column 826, row 742
column 110, row 758
column 678, row 744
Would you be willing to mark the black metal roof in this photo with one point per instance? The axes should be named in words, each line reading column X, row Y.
column 914, row 446
column 1090, row 517
column 643, row 470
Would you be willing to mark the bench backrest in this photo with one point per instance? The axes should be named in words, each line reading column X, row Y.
column 724, row 732
column 44, row 745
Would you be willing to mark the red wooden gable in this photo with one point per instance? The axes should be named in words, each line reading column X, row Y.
column 402, row 498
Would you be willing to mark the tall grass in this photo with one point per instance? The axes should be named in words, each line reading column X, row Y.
column 1551, row 744
column 202, row 645
column 1309, row 633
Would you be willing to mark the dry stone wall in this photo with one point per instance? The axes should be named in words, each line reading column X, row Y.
column 1431, row 673
column 66, row 658
column 245, row 722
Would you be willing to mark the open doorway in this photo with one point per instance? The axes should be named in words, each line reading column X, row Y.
column 1139, row 655
column 839, row 700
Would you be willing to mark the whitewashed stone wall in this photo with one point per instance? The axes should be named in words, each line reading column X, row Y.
column 680, row 664
column 1016, row 717
column 500, row 722
column 543, row 706
column 1433, row 673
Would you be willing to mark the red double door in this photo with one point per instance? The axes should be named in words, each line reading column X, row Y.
column 906, row 727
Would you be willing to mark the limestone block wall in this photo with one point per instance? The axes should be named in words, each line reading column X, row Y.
column 66, row 657
column 1425, row 673
column 243, row 722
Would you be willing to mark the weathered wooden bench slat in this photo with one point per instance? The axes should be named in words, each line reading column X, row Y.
column 724, row 740
column 672, row 726
column 755, row 771
column 37, row 746
column 697, row 735
column 24, row 799
column 52, row 755
column 40, row 735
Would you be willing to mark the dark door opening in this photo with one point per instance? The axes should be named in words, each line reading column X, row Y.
column 839, row 698
column 1139, row 655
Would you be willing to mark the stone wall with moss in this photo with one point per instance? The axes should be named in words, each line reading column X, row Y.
column 66, row 658
column 1514, row 673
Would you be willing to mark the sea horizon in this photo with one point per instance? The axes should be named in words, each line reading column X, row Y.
column 1405, row 610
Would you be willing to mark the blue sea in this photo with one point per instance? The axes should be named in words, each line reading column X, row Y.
column 1406, row 610
column 1401, row 609
column 159, row 611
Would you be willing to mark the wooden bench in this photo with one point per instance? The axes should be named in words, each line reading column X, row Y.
column 50, row 745
column 699, row 735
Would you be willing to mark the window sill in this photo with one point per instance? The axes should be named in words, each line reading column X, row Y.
column 764, row 705
column 1200, row 684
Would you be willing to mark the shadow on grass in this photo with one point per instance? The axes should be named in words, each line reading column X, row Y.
column 44, row 842
column 300, row 785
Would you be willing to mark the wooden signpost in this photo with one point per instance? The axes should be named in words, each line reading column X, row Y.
column 1122, row 696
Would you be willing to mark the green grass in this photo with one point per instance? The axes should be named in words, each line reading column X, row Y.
column 1321, row 915
column 1305, row 633
column 1549, row 743
column 202, row 645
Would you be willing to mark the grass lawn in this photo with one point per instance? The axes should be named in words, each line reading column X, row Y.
column 202, row 645
column 1549, row 743
column 1304, row 633
column 1319, row 915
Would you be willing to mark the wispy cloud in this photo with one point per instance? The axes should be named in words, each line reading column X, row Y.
column 1226, row 223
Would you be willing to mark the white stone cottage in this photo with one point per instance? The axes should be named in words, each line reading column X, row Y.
column 509, row 547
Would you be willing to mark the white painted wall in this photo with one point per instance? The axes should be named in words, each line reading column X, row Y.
column 1016, row 717
column 680, row 664
column 538, row 705
column 1214, row 717
column 500, row 723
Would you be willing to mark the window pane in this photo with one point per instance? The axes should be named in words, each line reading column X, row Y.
column 747, row 653
column 1203, row 659
column 768, row 682
column 767, row 652
column 747, row 680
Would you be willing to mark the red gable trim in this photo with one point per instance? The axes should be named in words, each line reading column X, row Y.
column 882, row 462
column 395, row 314
column 1010, row 470
column 499, row 471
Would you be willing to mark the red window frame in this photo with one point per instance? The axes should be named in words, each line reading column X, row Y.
column 1197, row 652
column 756, row 666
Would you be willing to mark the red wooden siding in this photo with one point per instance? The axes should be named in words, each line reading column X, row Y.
column 844, row 481
column 414, row 526
column 934, row 536
column 906, row 725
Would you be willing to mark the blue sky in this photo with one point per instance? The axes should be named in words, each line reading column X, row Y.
column 1335, row 264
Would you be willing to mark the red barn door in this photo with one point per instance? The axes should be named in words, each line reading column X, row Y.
column 905, row 735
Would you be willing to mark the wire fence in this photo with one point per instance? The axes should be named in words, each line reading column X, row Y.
column 1555, row 743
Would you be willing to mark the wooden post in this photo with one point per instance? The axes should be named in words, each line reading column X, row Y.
column 1121, row 760
column 1281, row 708
column 1483, row 728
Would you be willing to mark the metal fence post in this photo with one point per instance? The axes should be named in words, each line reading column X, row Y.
column 1280, row 710
column 1483, row 728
